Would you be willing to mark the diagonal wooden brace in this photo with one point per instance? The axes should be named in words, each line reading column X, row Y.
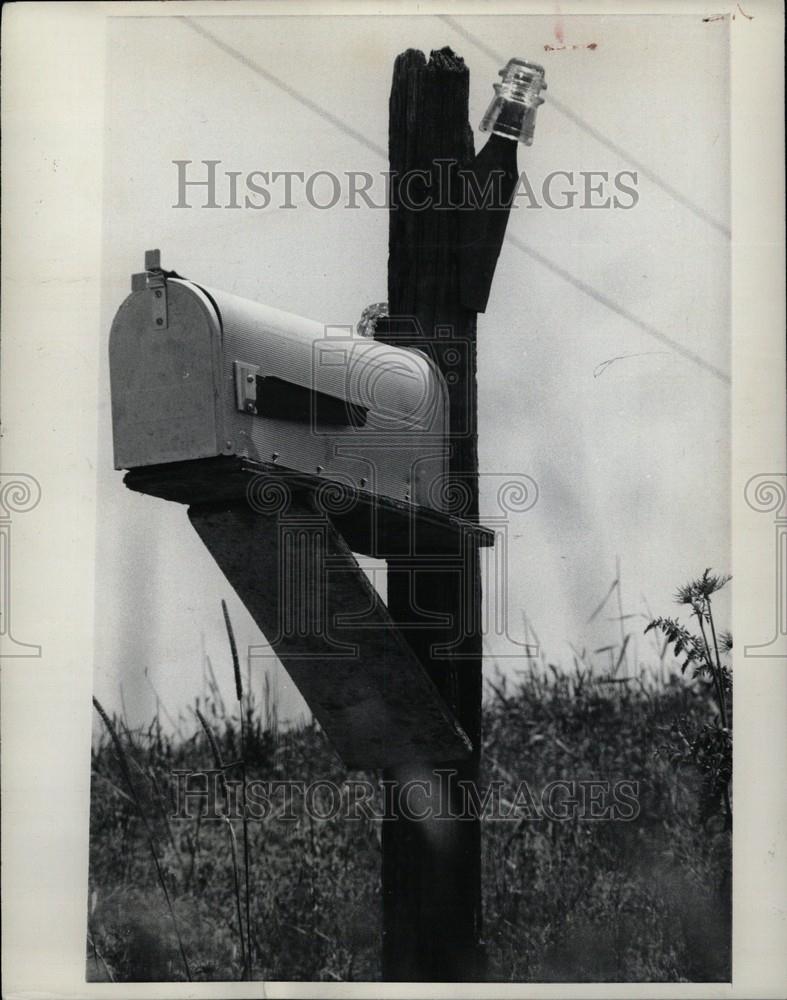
column 303, row 587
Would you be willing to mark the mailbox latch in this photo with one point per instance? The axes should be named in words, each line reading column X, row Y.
column 246, row 386
column 154, row 280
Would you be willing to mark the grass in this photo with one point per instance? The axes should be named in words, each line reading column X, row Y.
column 646, row 900
column 578, row 900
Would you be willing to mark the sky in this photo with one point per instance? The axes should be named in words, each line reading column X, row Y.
column 603, row 354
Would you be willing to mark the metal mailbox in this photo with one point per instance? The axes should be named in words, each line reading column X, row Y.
column 197, row 373
column 213, row 395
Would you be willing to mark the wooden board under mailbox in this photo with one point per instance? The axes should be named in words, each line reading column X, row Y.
column 375, row 701
column 373, row 525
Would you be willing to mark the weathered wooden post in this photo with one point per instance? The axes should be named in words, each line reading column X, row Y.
column 432, row 878
column 444, row 239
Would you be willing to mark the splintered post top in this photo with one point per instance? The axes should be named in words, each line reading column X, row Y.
column 512, row 112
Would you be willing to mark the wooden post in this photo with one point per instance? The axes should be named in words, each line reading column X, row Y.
column 431, row 871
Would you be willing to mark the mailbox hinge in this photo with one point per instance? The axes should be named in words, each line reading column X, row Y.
column 154, row 280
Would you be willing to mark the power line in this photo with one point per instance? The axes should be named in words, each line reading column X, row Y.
column 515, row 241
column 614, row 307
column 580, row 122
column 307, row 102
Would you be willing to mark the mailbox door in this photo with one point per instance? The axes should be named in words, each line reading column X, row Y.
column 165, row 379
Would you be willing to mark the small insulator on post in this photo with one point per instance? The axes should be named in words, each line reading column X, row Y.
column 512, row 112
column 494, row 176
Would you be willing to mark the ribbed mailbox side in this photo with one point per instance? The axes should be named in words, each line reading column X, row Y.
column 400, row 450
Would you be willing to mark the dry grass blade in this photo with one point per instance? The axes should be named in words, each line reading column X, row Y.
column 245, row 821
column 234, row 651
column 123, row 761
column 213, row 686
column 600, row 608
column 162, row 806
column 99, row 957
column 239, row 695
column 622, row 653
column 233, row 841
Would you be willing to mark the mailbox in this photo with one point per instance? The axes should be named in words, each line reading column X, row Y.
column 199, row 373
column 214, row 396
